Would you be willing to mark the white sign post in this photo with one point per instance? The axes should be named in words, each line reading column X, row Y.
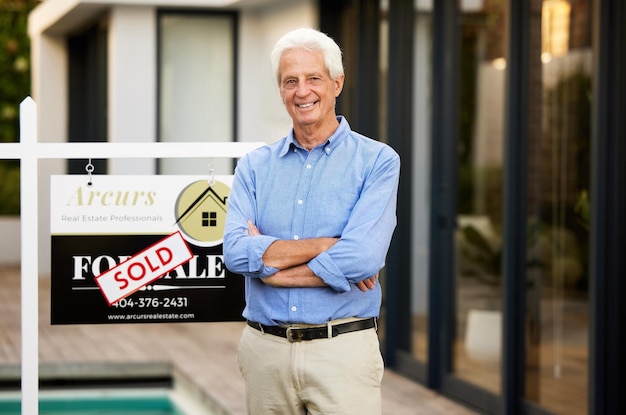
column 29, row 151
column 30, row 255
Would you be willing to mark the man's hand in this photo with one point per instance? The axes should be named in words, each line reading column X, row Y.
column 367, row 284
column 252, row 229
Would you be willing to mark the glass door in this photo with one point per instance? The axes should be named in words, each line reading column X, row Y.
column 558, row 188
column 476, row 349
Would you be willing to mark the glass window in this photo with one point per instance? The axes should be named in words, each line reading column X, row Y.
column 478, row 246
column 558, row 206
column 196, row 86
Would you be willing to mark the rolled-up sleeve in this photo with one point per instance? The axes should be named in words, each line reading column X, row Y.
column 362, row 248
column 243, row 253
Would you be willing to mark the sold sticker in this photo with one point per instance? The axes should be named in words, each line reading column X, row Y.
column 144, row 268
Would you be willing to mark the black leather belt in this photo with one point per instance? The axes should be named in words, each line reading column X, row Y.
column 296, row 334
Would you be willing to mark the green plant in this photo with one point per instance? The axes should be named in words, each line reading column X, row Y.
column 552, row 252
column 582, row 210
column 481, row 252
column 482, row 257
column 14, row 87
column 9, row 188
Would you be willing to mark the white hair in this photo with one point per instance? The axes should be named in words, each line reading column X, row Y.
column 312, row 40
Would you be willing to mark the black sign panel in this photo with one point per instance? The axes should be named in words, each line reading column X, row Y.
column 202, row 290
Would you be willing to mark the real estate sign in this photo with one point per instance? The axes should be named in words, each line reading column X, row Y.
column 140, row 249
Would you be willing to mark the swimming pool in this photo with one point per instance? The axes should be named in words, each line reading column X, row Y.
column 103, row 402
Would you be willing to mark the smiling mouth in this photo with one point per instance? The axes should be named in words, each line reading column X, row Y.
column 307, row 105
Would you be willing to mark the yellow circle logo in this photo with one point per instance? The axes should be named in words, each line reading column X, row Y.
column 201, row 212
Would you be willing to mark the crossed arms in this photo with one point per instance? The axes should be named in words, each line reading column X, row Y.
column 290, row 257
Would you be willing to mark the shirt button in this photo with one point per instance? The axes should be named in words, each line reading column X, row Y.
column 294, row 308
column 327, row 150
column 308, row 166
column 300, row 202
column 296, row 237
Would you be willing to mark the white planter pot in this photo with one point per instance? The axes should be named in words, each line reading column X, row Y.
column 483, row 335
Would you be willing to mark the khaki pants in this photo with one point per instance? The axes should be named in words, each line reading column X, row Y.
column 341, row 375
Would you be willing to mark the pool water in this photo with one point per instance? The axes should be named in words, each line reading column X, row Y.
column 97, row 403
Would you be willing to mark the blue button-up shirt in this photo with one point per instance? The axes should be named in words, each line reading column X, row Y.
column 345, row 188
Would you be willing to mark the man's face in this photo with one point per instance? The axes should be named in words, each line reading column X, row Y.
column 307, row 89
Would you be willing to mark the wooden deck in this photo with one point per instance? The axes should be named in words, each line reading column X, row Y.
column 199, row 356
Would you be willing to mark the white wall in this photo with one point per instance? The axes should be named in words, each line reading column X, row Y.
column 132, row 83
column 11, row 240
column 49, row 90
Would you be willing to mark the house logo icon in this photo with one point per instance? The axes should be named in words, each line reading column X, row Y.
column 200, row 212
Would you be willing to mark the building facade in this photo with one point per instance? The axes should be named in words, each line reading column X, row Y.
column 502, row 286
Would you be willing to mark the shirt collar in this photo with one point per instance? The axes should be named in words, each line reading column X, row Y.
column 291, row 144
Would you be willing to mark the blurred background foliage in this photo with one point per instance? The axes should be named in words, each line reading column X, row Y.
column 14, row 87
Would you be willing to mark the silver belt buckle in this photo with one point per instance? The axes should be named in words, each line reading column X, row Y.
column 293, row 335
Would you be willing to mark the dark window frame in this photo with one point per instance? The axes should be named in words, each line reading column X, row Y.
column 87, row 93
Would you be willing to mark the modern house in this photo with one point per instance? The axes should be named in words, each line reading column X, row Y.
column 509, row 119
